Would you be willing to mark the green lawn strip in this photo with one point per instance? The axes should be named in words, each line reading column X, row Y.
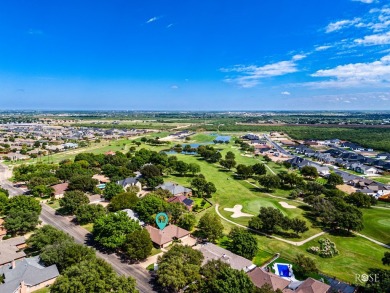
column 202, row 138
column 43, row 290
column 377, row 224
column 54, row 204
column 88, row 227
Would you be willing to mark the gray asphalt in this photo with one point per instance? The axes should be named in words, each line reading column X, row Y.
column 80, row 235
column 6, row 184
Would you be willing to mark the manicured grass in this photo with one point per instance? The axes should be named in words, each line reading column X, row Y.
column 155, row 251
column 377, row 224
column 43, row 290
column 202, row 138
column 200, row 203
column 54, row 204
column 88, row 227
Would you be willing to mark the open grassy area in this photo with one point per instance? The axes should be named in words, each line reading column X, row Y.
column 377, row 224
column 88, row 227
column 202, row 138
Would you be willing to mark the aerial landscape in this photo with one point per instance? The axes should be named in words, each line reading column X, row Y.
column 197, row 146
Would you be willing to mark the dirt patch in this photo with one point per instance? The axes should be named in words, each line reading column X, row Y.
column 346, row 188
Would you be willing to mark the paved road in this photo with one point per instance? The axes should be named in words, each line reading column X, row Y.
column 80, row 235
column 5, row 174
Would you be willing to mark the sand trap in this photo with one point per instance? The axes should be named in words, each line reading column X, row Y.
column 286, row 205
column 236, row 210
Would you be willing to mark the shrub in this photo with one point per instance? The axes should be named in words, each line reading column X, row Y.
column 327, row 248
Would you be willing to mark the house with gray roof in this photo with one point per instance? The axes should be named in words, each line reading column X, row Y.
column 175, row 189
column 27, row 275
column 130, row 181
column 211, row 251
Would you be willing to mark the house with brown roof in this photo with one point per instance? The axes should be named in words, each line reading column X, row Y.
column 59, row 190
column 260, row 277
column 101, row 178
column 165, row 237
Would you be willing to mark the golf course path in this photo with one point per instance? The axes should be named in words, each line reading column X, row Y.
column 274, row 237
column 372, row 240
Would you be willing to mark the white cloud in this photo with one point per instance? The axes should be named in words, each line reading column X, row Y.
column 341, row 24
column 250, row 76
column 355, row 75
column 174, row 87
column 364, row 1
column 285, row 93
column 322, row 48
column 170, row 25
column 299, row 57
column 153, row 19
column 376, row 39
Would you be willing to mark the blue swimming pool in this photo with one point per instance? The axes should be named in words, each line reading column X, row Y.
column 284, row 270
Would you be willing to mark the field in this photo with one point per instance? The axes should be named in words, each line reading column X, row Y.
column 356, row 253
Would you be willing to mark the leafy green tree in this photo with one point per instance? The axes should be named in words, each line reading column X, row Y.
column 92, row 276
column 150, row 171
column 360, row 199
column 42, row 191
column 111, row 190
column 72, row 200
column 23, row 203
column 193, row 168
column 219, row 277
column 3, row 202
column 175, row 211
column 269, row 181
column 259, row 169
column 386, row 259
column 153, row 182
column 21, row 222
column 124, row 200
column 314, row 188
column 179, row 267
column 304, row 265
column 47, row 235
column 210, row 189
column 230, row 156
column 298, row 225
column 210, row 227
column 243, row 243
column 181, row 167
column 309, row 171
column 228, row 163
column 244, row 171
column 149, row 206
column 335, row 179
column 138, row 245
column 65, row 254
column 187, row 221
column 82, row 182
column 379, row 281
column 87, row 213
column 112, row 229
column 270, row 218
column 198, row 184
column 255, row 223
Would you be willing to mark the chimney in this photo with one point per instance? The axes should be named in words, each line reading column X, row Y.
column 13, row 264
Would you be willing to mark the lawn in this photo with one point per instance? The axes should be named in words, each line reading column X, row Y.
column 54, row 204
column 202, row 138
column 88, row 227
column 377, row 224
column 43, row 290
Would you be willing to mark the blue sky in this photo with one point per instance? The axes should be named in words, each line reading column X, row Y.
column 195, row 55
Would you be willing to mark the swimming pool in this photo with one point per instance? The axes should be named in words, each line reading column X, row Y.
column 284, row 270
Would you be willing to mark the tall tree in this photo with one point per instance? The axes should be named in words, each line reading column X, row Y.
column 210, row 227
column 111, row 230
column 259, row 169
column 243, row 243
column 124, row 200
column 179, row 267
column 335, row 179
column 47, row 235
column 138, row 245
column 269, row 181
column 309, row 171
column 111, row 190
column 88, row 213
column 219, row 277
column 72, row 200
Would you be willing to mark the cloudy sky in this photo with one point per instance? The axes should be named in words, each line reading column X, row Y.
column 195, row 55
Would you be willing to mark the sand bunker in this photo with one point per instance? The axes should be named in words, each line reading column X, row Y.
column 286, row 205
column 236, row 210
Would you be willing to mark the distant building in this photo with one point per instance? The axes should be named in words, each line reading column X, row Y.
column 59, row 190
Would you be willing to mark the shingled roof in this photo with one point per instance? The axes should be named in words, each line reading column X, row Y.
column 161, row 237
column 10, row 251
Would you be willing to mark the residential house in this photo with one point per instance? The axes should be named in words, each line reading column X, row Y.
column 188, row 203
column 131, row 181
column 3, row 231
column 101, row 178
column 301, row 162
column 59, row 190
column 211, row 251
column 165, row 237
column 383, row 156
column 310, row 285
column 27, row 275
column 175, row 189
column 352, row 146
column 134, row 216
column 251, row 136
column 11, row 249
